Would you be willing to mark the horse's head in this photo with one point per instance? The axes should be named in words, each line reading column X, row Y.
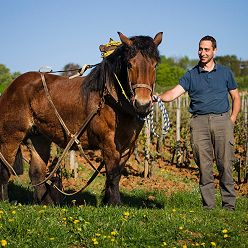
column 142, row 59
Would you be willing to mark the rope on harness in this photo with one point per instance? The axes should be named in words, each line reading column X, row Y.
column 165, row 116
column 109, row 48
column 122, row 90
column 80, row 71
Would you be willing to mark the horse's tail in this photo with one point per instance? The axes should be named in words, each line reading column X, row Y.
column 18, row 164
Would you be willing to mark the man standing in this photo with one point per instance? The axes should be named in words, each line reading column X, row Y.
column 208, row 85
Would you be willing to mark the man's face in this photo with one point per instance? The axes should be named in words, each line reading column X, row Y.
column 206, row 51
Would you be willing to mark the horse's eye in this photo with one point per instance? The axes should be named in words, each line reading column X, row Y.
column 129, row 65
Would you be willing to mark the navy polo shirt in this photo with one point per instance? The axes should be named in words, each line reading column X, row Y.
column 208, row 91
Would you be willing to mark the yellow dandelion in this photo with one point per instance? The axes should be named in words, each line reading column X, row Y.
column 13, row 212
column 44, row 206
column 174, row 210
column 126, row 214
column 79, row 229
column 225, row 236
column 164, row 244
column 52, row 238
column 184, row 246
column 76, row 221
column 180, row 227
column 213, row 244
column 1, row 212
column 3, row 242
column 64, row 219
column 114, row 233
column 94, row 240
column 224, row 231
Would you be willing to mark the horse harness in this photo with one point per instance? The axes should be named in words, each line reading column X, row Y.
column 74, row 139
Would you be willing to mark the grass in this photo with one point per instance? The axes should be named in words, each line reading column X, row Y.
column 143, row 221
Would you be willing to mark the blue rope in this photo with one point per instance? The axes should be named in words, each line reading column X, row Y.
column 165, row 116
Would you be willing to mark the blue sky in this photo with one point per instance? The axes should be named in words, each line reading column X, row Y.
column 57, row 32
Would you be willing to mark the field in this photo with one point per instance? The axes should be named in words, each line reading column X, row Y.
column 160, row 210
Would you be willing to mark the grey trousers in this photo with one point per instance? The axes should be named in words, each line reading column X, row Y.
column 212, row 138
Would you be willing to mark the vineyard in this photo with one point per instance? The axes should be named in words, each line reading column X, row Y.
column 174, row 148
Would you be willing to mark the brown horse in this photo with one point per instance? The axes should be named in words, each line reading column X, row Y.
column 120, row 88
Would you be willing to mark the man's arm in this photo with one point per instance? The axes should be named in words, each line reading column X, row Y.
column 235, row 104
column 172, row 94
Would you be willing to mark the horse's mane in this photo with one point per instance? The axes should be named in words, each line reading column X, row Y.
column 114, row 63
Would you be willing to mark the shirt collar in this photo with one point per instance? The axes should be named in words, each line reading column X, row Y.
column 200, row 69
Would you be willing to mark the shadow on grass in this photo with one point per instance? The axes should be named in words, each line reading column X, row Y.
column 135, row 201
column 24, row 195
column 144, row 200
column 18, row 193
column 84, row 198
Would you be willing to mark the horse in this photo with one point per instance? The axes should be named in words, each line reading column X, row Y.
column 39, row 108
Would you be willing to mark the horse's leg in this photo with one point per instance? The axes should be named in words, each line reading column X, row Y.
column 39, row 147
column 4, row 178
column 12, row 153
column 113, row 176
column 114, row 164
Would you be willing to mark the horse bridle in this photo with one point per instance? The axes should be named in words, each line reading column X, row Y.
column 132, row 87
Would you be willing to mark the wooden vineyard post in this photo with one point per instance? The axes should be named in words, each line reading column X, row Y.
column 246, row 140
column 176, row 152
column 73, row 164
column 147, row 169
column 160, row 138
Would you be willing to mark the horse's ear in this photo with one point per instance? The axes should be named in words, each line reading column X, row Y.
column 124, row 39
column 158, row 38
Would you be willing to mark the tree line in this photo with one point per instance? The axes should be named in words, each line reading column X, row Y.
column 169, row 71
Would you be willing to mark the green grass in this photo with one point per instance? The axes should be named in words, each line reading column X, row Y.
column 143, row 221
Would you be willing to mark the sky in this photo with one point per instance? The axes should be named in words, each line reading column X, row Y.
column 57, row 32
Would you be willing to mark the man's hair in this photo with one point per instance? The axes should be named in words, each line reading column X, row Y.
column 210, row 38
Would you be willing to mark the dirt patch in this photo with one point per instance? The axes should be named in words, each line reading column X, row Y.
column 165, row 177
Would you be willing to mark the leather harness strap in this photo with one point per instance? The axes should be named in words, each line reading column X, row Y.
column 74, row 138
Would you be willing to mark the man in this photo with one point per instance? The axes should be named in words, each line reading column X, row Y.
column 208, row 85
